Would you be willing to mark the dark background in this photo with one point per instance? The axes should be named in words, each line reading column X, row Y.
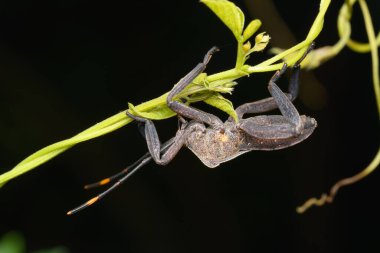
column 65, row 65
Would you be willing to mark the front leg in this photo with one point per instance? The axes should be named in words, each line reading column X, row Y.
column 154, row 144
column 185, row 110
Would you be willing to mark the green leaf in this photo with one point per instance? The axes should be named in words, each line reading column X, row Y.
column 229, row 13
column 223, row 104
column 159, row 112
column 252, row 27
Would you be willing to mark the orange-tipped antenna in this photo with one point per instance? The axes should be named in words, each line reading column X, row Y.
column 127, row 172
column 88, row 203
column 101, row 182
column 117, row 175
column 114, row 186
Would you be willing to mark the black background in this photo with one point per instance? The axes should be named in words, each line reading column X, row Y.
column 65, row 65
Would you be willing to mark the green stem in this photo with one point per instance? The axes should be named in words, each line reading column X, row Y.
column 373, row 165
column 240, row 57
column 374, row 51
column 231, row 74
column 106, row 126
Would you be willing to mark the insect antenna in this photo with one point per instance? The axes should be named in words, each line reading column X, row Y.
column 112, row 178
column 124, row 174
column 114, row 186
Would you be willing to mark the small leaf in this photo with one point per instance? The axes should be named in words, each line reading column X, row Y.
column 229, row 13
column 252, row 27
column 261, row 41
column 158, row 113
column 262, row 38
column 223, row 104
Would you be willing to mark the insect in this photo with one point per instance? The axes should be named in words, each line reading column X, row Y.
column 215, row 142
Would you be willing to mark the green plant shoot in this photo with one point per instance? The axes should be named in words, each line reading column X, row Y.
column 207, row 88
column 328, row 52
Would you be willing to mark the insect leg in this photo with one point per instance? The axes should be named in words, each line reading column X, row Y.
column 153, row 141
column 185, row 110
column 263, row 105
column 294, row 78
column 285, row 105
column 268, row 104
column 283, row 102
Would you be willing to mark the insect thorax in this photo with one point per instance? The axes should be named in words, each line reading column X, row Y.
column 213, row 146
